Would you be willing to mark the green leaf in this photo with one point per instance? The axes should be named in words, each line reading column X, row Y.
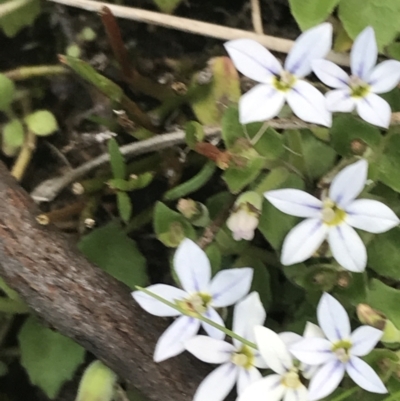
column 383, row 16
column 49, row 358
column 117, row 161
column 13, row 137
column 389, row 163
column 394, row 50
column 41, row 122
column 112, row 250
column 347, row 128
column 309, row 13
column 231, row 129
column 20, row 18
column 385, row 299
column 214, row 255
column 167, row 6
column 7, row 91
column 124, row 206
column 384, row 254
column 171, row 227
column 194, row 133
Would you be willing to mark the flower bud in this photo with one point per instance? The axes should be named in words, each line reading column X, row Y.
column 244, row 218
column 195, row 212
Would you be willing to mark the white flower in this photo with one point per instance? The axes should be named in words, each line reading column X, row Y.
column 265, row 100
column 200, row 295
column 242, row 224
column 286, row 382
column 339, row 352
column 333, row 219
column 359, row 90
column 238, row 361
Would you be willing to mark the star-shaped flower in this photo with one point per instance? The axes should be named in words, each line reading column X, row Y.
column 359, row 90
column 277, row 84
column 339, row 352
column 199, row 296
column 333, row 218
column 286, row 382
column 238, row 361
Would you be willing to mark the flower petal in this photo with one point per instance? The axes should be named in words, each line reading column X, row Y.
column 290, row 338
column 213, row 332
column 247, row 314
column 295, row 202
column 312, row 330
column 371, row 215
column 340, row 100
column 385, row 76
column 330, row 74
column 230, row 285
column 246, row 378
column 325, row 380
column 349, row 183
column 309, row 104
column 260, row 103
column 253, row 60
column 347, row 248
column 268, row 388
column 192, row 266
column 365, row 376
column 259, row 361
column 155, row 307
column 218, row 384
column 312, row 44
column 364, row 339
column 209, row 349
column 302, row 241
column 172, row 341
column 333, row 318
column 364, row 53
column 273, row 350
column 312, row 351
column 374, row 110
column 298, row 394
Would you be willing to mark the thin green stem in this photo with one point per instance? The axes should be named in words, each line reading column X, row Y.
column 199, row 317
column 345, row 395
column 22, row 73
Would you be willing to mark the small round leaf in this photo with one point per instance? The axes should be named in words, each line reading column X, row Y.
column 41, row 122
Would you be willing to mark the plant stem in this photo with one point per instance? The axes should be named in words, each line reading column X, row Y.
column 22, row 73
column 11, row 6
column 228, row 332
column 24, row 157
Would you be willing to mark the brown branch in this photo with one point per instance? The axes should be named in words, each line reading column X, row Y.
column 84, row 303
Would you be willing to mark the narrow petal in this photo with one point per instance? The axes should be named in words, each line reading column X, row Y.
column 259, row 361
column 312, row 330
column 364, row 339
column 349, row 183
column 273, row 350
column 340, row 100
column 365, row 376
column 230, row 285
column 364, row 53
column 260, row 103
column 253, row 60
column 311, row 45
column 247, row 314
column 325, row 380
column 155, row 307
column 347, row 248
column 308, row 103
column 246, row 378
column 268, row 388
column 374, row 110
column 302, row 241
column 209, row 349
column 330, row 74
column 313, row 351
column 192, row 266
column 298, row 394
column 371, row 215
column 218, row 384
column 333, row 319
column 213, row 332
column 295, row 202
column 385, row 76
column 290, row 338
column 172, row 341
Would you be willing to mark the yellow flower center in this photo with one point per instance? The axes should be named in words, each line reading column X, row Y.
column 332, row 215
column 342, row 350
column 359, row 88
column 196, row 304
column 284, row 81
column 243, row 358
column 291, row 379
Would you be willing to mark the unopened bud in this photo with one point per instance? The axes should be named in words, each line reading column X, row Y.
column 195, row 212
column 358, row 147
column 97, row 383
column 343, row 279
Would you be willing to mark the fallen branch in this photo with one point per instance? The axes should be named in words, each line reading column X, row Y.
column 84, row 303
